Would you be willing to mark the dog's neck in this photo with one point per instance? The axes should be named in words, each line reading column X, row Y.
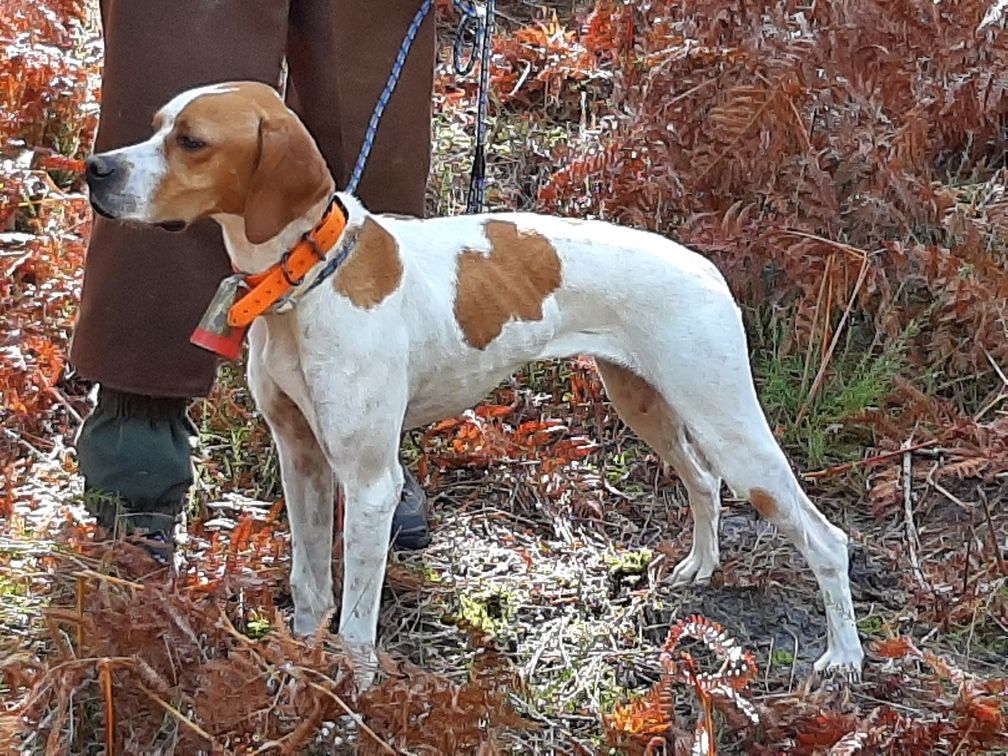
column 255, row 258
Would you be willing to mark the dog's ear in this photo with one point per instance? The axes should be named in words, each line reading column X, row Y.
column 290, row 177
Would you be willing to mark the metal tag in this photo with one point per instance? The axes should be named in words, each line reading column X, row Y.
column 213, row 332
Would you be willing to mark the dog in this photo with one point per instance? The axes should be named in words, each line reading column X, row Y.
column 418, row 320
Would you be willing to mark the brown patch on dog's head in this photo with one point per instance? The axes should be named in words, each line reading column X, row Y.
column 511, row 283
column 239, row 150
column 373, row 270
column 764, row 503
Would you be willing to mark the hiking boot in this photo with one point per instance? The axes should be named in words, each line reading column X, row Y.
column 151, row 531
column 135, row 455
column 409, row 524
column 159, row 546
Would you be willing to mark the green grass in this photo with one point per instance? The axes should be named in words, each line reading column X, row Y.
column 871, row 626
column 629, row 562
column 821, row 430
column 258, row 627
column 238, row 441
column 782, row 658
column 519, row 156
column 491, row 610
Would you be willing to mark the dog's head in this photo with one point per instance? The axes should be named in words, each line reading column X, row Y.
column 231, row 148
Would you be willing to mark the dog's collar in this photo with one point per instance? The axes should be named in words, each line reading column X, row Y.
column 270, row 287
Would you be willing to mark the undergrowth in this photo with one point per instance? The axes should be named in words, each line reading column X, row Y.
column 844, row 165
column 821, row 429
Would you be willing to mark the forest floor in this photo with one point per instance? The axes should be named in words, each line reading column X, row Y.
column 536, row 619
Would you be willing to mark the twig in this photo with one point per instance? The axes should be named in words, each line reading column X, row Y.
column 866, row 462
column 347, row 710
column 58, row 396
column 105, row 675
column 110, row 579
column 848, row 248
column 182, row 718
column 815, row 319
column 997, row 368
column 769, row 663
column 42, row 726
column 692, row 90
column 862, row 274
column 1001, row 395
column 794, row 661
column 230, row 628
column 964, row 741
column 945, row 492
column 973, row 619
column 827, row 336
column 521, row 80
column 801, row 125
column 271, row 744
column 38, row 453
column 81, row 592
column 908, row 521
column 998, row 398
column 993, row 534
column 966, row 564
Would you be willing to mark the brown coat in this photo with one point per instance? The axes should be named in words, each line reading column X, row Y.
column 145, row 289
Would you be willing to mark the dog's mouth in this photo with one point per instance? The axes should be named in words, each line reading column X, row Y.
column 169, row 225
column 97, row 207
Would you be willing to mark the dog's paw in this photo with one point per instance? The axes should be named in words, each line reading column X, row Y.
column 844, row 666
column 364, row 660
column 695, row 568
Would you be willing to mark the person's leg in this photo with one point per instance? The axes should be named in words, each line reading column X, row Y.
column 145, row 289
column 135, row 453
column 340, row 55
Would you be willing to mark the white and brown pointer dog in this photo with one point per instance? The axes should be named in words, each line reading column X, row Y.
column 424, row 317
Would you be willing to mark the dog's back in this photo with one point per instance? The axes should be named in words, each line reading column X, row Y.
column 488, row 293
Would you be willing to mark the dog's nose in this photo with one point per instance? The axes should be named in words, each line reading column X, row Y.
column 99, row 167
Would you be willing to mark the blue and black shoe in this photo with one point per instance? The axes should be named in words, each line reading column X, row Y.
column 409, row 524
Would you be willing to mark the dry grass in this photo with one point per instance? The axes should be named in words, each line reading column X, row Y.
column 544, row 600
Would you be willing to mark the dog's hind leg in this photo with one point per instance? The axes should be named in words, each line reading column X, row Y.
column 753, row 465
column 711, row 389
column 308, row 490
column 644, row 409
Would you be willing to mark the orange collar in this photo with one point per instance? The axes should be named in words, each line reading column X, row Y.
column 270, row 286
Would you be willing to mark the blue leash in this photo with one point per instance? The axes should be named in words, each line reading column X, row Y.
column 386, row 95
column 477, row 23
column 480, row 24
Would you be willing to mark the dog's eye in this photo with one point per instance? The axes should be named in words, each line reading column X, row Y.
column 189, row 143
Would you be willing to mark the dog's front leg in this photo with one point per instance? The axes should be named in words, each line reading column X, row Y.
column 370, row 504
column 359, row 424
column 308, row 492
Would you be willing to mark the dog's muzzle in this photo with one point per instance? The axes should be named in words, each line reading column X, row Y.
column 106, row 179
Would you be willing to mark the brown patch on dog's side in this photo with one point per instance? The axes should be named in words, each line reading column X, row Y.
column 764, row 503
column 511, row 283
column 640, row 405
column 374, row 269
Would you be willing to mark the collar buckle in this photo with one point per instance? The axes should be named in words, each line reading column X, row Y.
column 307, row 238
